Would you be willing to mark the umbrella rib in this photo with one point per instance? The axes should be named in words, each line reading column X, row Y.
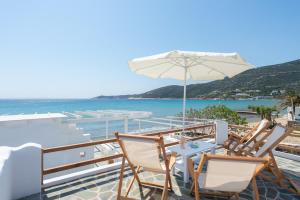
column 165, row 71
column 227, row 62
column 206, row 60
column 150, row 66
column 177, row 63
column 213, row 69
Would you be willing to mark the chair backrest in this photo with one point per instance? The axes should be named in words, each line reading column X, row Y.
column 272, row 140
column 142, row 151
column 264, row 124
column 257, row 134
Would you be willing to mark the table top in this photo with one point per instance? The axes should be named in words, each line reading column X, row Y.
column 188, row 150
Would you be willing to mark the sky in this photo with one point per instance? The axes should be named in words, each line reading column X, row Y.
column 80, row 49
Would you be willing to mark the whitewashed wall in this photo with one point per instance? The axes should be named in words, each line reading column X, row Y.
column 5, row 173
column 49, row 130
column 221, row 131
column 297, row 113
column 20, row 171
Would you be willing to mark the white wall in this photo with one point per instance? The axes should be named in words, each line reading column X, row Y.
column 221, row 131
column 289, row 111
column 5, row 173
column 49, row 132
column 297, row 113
column 20, row 171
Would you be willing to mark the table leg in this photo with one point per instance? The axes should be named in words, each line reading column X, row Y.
column 185, row 168
column 213, row 150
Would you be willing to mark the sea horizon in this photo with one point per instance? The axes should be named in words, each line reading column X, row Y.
column 159, row 107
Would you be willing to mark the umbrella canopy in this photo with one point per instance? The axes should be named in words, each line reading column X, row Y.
column 187, row 65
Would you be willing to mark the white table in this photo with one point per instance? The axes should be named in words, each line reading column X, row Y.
column 187, row 152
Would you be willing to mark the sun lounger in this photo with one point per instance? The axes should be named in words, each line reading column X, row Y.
column 264, row 147
column 235, row 144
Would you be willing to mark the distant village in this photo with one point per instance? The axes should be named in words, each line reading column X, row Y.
column 239, row 94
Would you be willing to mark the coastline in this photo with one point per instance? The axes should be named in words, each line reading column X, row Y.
column 159, row 107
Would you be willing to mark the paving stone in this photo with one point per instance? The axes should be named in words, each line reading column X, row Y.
column 104, row 186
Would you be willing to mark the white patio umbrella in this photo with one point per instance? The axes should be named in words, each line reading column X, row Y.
column 187, row 65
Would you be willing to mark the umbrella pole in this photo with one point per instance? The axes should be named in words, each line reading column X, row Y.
column 184, row 100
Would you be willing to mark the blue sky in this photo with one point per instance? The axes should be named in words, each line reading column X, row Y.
column 80, row 49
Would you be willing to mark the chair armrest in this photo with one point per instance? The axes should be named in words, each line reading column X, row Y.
column 172, row 160
column 232, row 138
column 191, row 169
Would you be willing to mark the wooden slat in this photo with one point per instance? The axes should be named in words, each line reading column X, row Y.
column 74, row 146
column 180, row 129
column 93, row 143
column 80, row 164
column 191, row 139
column 289, row 148
column 294, row 135
column 145, row 137
column 239, row 126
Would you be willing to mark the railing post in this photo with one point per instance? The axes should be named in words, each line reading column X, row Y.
column 140, row 126
column 42, row 167
column 126, row 125
column 106, row 129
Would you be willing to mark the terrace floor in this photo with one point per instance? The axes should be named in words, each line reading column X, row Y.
column 104, row 186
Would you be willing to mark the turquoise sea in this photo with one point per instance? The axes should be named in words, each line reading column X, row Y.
column 159, row 107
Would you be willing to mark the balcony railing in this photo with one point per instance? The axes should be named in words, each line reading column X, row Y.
column 64, row 167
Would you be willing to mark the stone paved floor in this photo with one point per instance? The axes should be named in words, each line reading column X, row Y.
column 104, row 186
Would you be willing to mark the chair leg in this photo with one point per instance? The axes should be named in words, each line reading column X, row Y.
column 131, row 182
column 170, row 181
column 255, row 190
column 165, row 190
column 121, row 179
column 192, row 188
column 197, row 194
column 237, row 196
column 275, row 170
column 135, row 174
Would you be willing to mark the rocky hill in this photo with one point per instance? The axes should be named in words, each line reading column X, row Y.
column 262, row 81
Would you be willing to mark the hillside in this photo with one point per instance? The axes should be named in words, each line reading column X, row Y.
column 261, row 81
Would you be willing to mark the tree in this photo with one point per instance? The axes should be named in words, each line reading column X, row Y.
column 216, row 112
column 265, row 112
column 290, row 100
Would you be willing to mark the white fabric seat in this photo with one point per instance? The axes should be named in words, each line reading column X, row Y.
column 272, row 140
column 228, row 175
column 221, row 175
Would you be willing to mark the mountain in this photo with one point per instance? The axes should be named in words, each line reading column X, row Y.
column 261, row 81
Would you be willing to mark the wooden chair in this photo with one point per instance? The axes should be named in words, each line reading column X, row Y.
column 145, row 153
column 225, row 175
column 264, row 147
column 235, row 143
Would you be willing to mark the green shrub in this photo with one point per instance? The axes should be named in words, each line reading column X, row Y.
column 265, row 112
column 216, row 112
